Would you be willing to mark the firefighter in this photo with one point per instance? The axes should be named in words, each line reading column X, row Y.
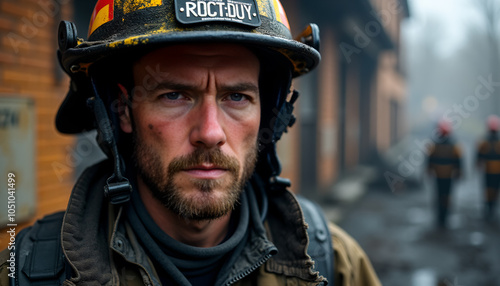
column 444, row 163
column 189, row 99
column 488, row 161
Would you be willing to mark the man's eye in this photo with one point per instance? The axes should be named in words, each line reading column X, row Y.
column 172, row 95
column 237, row 97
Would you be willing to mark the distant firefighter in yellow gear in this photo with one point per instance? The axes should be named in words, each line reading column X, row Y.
column 444, row 163
column 488, row 160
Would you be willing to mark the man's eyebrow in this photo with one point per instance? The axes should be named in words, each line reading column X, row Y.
column 244, row 86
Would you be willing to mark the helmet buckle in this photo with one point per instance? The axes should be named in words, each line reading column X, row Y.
column 117, row 192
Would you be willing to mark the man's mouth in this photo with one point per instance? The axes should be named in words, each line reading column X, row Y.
column 206, row 171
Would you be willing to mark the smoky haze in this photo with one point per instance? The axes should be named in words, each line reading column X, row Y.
column 452, row 58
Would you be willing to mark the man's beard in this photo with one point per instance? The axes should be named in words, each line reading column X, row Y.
column 204, row 205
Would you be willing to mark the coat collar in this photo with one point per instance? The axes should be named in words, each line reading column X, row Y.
column 84, row 240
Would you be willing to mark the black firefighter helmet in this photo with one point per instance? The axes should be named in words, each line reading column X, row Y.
column 122, row 29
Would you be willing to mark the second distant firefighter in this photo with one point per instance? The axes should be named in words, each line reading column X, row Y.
column 488, row 160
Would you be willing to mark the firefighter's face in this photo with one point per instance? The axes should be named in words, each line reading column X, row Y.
column 195, row 116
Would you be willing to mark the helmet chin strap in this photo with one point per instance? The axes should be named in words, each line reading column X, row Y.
column 118, row 187
column 284, row 120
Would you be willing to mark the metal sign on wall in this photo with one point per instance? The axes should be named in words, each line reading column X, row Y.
column 17, row 159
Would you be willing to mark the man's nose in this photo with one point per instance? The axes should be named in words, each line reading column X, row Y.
column 207, row 130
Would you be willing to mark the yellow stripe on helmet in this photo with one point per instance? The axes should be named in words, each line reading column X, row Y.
column 280, row 13
column 130, row 6
column 103, row 13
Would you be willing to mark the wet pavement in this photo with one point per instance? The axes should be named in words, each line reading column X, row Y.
column 399, row 234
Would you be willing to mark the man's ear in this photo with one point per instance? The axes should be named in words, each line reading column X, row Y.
column 124, row 111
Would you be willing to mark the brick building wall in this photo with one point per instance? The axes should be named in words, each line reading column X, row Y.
column 359, row 88
column 29, row 69
column 391, row 94
column 328, row 109
column 391, row 83
column 352, row 133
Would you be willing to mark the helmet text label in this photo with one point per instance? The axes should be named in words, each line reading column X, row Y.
column 196, row 11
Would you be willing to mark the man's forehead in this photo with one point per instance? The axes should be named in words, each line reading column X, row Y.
column 192, row 63
column 200, row 50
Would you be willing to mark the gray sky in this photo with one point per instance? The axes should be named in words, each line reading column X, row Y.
column 453, row 16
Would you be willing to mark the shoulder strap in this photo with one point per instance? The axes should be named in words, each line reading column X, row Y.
column 320, row 241
column 39, row 254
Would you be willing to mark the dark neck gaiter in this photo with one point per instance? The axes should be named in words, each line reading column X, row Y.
column 181, row 264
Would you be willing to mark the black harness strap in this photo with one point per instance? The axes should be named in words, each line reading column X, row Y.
column 39, row 253
column 320, row 241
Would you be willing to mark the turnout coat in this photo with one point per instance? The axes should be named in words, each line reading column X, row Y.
column 97, row 246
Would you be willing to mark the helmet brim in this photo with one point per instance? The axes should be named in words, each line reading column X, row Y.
column 303, row 57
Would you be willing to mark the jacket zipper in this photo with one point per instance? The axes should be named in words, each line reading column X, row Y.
column 249, row 270
column 146, row 283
